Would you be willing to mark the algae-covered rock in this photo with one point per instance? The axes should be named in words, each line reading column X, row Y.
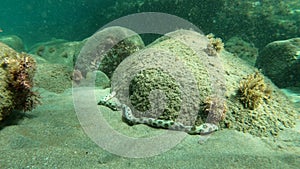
column 53, row 77
column 176, row 78
column 174, row 71
column 16, row 78
column 106, row 49
column 280, row 61
column 274, row 111
column 242, row 49
column 58, row 51
column 14, row 42
column 145, row 81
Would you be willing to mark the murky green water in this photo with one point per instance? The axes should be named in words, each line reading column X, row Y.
column 208, row 81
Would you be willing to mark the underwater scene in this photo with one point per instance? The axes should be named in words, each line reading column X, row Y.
column 149, row 84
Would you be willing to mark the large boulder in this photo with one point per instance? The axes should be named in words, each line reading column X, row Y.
column 280, row 61
column 176, row 78
column 174, row 70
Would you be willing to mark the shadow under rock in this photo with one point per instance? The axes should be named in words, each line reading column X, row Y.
column 14, row 118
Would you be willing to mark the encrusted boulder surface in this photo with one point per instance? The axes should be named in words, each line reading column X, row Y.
column 178, row 73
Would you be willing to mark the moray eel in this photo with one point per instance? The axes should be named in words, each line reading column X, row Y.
column 203, row 129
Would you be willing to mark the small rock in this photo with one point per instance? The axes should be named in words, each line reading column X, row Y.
column 14, row 42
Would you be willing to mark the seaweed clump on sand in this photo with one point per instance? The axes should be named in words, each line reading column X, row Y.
column 16, row 74
column 253, row 90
